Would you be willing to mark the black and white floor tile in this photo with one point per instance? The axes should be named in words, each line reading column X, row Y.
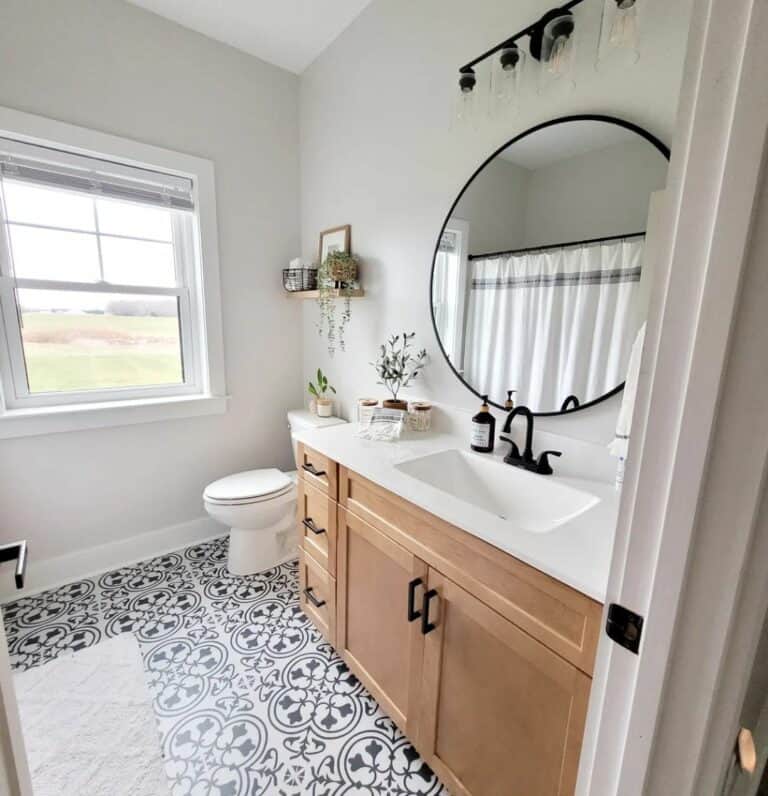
column 248, row 696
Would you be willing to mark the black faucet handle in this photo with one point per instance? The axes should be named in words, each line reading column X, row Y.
column 514, row 453
column 543, row 466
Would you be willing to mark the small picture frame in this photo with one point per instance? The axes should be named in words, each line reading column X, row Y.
column 334, row 240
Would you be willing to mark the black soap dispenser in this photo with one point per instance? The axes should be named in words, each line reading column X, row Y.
column 483, row 429
column 509, row 404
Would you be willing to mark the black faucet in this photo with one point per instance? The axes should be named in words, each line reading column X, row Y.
column 571, row 399
column 526, row 460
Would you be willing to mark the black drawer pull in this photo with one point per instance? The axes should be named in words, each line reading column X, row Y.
column 413, row 614
column 308, row 523
column 426, row 625
column 311, row 597
column 18, row 552
column 310, row 468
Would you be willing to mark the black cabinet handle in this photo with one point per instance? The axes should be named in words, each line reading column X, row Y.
column 426, row 625
column 311, row 597
column 308, row 523
column 413, row 614
column 310, row 468
column 16, row 552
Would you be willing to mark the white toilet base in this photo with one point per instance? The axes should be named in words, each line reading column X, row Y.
column 252, row 551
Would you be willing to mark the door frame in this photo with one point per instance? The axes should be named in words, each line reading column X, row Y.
column 712, row 192
column 15, row 779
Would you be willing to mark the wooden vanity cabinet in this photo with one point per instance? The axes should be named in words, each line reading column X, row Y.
column 482, row 661
column 373, row 633
column 500, row 713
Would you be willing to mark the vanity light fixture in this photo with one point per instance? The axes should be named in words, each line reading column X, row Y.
column 466, row 97
column 619, row 42
column 507, row 75
column 552, row 43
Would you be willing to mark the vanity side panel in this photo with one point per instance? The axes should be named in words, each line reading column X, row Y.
column 563, row 619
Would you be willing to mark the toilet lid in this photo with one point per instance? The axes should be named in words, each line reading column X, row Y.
column 248, row 485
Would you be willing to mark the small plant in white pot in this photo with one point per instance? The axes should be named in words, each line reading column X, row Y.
column 397, row 367
column 319, row 392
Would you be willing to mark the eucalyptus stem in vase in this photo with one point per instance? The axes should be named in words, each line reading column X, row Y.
column 397, row 366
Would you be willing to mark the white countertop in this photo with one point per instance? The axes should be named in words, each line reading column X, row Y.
column 578, row 552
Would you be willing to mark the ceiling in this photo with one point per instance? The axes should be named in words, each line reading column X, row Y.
column 288, row 33
column 562, row 141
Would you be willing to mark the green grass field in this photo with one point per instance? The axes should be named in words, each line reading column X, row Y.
column 90, row 352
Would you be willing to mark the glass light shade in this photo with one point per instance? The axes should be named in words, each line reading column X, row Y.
column 558, row 55
column 619, row 44
column 507, row 75
column 465, row 100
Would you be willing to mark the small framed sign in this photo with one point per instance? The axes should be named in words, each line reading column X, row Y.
column 336, row 239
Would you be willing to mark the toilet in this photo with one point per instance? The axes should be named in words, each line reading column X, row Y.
column 259, row 506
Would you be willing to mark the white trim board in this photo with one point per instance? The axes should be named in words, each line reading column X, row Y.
column 712, row 190
column 52, row 572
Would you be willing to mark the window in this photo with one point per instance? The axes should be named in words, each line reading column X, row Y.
column 449, row 289
column 101, row 281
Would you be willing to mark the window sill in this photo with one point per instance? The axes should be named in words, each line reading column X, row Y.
column 53, row 420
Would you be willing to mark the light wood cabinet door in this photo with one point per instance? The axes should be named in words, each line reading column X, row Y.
column 501, row 713
column 373, row 631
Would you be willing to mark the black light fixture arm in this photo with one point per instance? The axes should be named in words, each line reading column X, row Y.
column 510, row 40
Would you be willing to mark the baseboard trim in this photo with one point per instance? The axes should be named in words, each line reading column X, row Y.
column 53, row 572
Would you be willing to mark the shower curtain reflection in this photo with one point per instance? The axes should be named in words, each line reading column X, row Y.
column 567, row 318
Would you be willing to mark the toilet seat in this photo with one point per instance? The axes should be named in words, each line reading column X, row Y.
column 251, row 486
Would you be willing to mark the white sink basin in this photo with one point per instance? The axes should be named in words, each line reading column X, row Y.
column 528, row 501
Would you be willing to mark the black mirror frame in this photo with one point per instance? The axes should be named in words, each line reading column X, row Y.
column 588, row 117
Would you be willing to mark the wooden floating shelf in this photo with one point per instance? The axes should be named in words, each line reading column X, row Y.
column 336, row 293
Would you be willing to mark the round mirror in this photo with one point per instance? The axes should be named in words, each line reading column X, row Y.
column 539, row 281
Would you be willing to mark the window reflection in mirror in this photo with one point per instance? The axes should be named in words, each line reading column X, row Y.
column 540, row 280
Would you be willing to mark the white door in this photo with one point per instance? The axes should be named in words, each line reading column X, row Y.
column 712, row 192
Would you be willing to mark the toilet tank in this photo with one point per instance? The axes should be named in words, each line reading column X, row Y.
column 302, row 420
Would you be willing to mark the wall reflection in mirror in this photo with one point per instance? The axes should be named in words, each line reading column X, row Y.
column 541, row 282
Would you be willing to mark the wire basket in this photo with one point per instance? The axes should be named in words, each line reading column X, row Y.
column 297, row 279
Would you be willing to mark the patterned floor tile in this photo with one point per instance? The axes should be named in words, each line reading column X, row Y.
column 43, row 626
column 248, row 696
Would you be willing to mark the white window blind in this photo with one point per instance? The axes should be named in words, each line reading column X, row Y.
column 55, row 168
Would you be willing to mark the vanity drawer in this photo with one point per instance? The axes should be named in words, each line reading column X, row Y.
column 317, row 525
column 318, row 470
column 317, row 595
column 563, row 619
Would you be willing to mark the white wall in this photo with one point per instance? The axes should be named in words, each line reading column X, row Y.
column 377, row 153
column 593, row 195
column 112, row 67
column 495, row 207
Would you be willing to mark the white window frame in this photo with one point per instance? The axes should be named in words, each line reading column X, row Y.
column 203, row 391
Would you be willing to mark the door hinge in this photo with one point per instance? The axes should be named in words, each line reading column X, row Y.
column 624, row 627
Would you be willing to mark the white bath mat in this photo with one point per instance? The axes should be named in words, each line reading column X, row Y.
column 89, row 725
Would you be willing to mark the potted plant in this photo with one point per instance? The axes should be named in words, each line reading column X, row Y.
column 336, row 277
column 397, row 367
column 323, row 404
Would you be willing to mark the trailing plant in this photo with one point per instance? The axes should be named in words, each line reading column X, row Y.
column 336, row 277
column 397, row 366
column 321, row 388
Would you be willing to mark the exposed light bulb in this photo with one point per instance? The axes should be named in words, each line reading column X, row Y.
column 619, row 44
column 560, row 56
column 623, row 31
